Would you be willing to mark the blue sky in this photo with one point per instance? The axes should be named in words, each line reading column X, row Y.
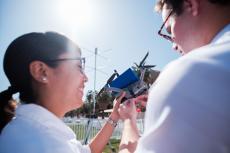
column 122, row 30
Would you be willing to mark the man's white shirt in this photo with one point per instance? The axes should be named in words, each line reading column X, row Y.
column 188, row 109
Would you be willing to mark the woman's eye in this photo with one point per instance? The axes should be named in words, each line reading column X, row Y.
column 79, row 66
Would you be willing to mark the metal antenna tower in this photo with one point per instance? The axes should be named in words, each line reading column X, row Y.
column 95, row 79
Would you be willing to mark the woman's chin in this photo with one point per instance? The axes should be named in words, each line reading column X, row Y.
column 78, row 104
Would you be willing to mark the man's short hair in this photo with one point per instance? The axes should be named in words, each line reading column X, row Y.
column 177, row 5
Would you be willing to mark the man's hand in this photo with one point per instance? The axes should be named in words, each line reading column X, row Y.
column 141, row 102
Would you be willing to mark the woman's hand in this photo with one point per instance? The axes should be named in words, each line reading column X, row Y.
column 116, row 103
column 129, row 109
column 101, row 139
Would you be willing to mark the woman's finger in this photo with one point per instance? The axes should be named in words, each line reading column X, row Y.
column 121, row 96
column 117, row 100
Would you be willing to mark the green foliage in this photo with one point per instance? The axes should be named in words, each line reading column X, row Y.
column 114, row 145
column 103, row 102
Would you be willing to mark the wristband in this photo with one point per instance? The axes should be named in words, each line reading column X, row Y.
column 112, row 122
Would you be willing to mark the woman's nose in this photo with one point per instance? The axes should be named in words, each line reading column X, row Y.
column 85, row 77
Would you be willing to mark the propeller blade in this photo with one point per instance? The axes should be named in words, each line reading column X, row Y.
column 117, row 74
column 149, row 66
column 136, row 65
column 109, row 81
column 143, row 60
column 111, row 78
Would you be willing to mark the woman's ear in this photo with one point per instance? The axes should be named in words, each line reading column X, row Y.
column 39, row 71
column 192, row 6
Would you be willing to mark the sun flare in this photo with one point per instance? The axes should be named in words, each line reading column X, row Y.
column 75, row 12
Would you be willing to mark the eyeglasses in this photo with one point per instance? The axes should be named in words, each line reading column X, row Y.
column 160, row 31
column 82, row 61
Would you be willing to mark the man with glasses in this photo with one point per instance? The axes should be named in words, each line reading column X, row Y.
column 188, row 109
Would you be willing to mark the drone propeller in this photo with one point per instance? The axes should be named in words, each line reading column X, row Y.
column 109, row 81
column 112, row 77
column 136, row 65
column 148, row 66
column 142, row 63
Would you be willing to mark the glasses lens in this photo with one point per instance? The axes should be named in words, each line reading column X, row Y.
column 162, row 27
column 83, row 63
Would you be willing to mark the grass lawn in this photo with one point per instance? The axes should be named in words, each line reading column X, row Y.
column 114, row 143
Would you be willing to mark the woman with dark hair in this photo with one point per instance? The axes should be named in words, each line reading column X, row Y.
column 47, row 71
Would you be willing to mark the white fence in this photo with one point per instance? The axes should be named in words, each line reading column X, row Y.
column 89, row 127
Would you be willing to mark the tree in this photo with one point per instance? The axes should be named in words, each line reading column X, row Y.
column 104, row 101
column 151, row 76
column 89, row 96
column 86, row 109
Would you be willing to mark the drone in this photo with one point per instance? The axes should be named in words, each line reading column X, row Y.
column 129, row 81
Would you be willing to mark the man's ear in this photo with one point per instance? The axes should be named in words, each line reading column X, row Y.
column 192, row 6
column 39, row 71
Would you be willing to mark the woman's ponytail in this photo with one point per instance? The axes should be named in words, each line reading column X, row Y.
column 7, row 106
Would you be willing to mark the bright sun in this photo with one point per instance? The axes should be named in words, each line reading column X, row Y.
column 75, row 12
